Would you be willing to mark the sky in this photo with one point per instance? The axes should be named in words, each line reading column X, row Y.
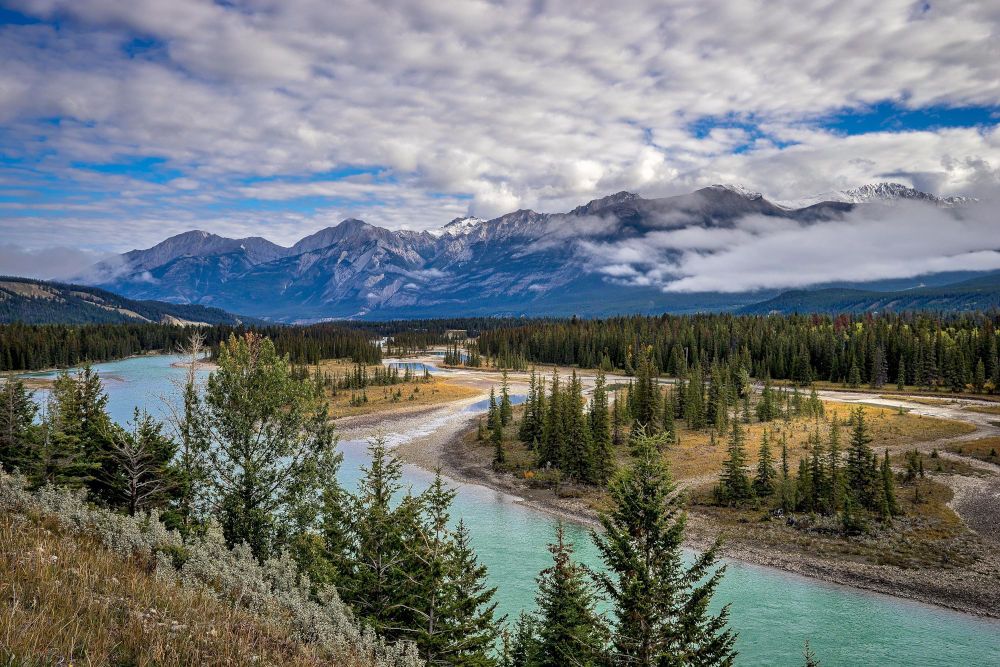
column 122, row 123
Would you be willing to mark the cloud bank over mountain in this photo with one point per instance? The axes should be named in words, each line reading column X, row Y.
column 758, row 252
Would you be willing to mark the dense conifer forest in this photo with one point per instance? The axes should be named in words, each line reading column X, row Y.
column 946, row 352
column 25, row 347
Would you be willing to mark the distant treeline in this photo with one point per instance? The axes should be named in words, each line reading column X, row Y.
column 25, row 347
column 954, row 352
column 412, row 335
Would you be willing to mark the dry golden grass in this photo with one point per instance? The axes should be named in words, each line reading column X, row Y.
column 67, row 600
column 985, row 449
column 695, row 458
column 419, row 393
column 984, row 409
column 921, row 400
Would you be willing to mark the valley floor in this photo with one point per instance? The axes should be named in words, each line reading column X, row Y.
column 947, row 553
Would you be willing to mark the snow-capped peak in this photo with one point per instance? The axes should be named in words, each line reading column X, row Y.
column 874, row 192
column 458, row 226
column 741, row 190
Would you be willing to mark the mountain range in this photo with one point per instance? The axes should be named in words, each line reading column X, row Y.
column 522, row 263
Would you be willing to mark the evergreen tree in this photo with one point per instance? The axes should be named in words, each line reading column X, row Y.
column 142, row 455
column 17, row 431
column 659, row 605
column 576, row 450
column 617, row 422
column 600, row 428
column 860, row 477
column 694, row 402
column 834, row 475
column 669, row 416
column 767, row 407
column 646, row 394
column 901, row 374
column 471, row 626
column 191, row 434
column 979, row 378
column 734, row 485
column 524, row 643
column 763, row 483
column 375, row 579
column 506, row 410
column 568, row 628
column 272, row 446
column 888, row 488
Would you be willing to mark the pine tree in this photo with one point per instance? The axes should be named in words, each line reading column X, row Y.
column 494, row 425
column 576, row 453
column 272, row 446
column 888, row 488
column 375, row 579
column 568, row 628
column 472, row 628
column 979, row 378
column 506, row 410
column 524, row 643
column 600, row 428
column 834, row 475
column 660, row 606
column 17, row 431
column 767, row 407
column 860, row 476
column 646, row 394
column 617, row 422
column 694, row 402
column 529, row 429
column 669, row 415
column 734, row 484
column 901, row 375
column 143, row 472
column 191, row 435
column 763, row 483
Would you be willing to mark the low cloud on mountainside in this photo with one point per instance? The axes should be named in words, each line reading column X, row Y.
column 758, row 252
column 54, row 263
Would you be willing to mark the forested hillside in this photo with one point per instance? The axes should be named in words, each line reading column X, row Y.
column 40, row 302
column 980, row 293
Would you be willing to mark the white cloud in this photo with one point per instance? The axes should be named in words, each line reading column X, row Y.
column 497, row 106
column 871, row 243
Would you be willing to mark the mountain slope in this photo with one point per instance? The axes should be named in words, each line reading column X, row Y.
column 39, row 302
column 520, row 263
column 980, row 293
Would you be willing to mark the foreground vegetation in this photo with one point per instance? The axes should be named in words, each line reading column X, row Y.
column 232, row 510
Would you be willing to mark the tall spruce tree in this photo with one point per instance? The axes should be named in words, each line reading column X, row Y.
column 659, row 605
column 734, row 484
column 766, row 478
column 375, row 579
column 600, row 428
column 860, row 474
column 17, row 431
column 569, row 630
column 506, row 409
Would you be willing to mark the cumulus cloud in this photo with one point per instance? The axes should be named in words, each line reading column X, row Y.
column 479, row 107
column 871, row 243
